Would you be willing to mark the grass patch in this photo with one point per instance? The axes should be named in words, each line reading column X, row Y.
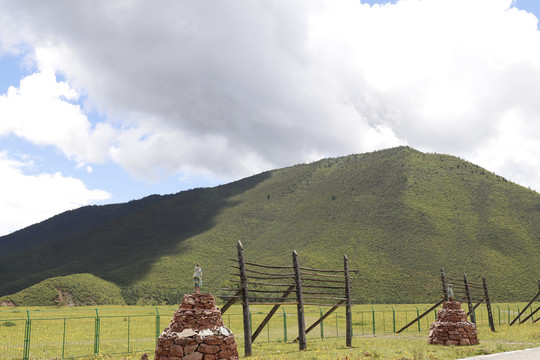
column 132, row 330
column 390, row 347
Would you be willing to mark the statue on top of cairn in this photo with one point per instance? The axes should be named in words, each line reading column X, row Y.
column 196, row 331
column 197, row 278
column 451, row 326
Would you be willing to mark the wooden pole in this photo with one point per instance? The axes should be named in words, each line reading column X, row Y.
column 314, row 325
column 245, row 301
column 348, row 312
column 271, row 313
column 526, row 307
column 444, row 286
column 475, row 306
column 300, row 304
column 421, row 316
column 469, row 300
column 488, row 305
column 231, row 301
column 530, row 316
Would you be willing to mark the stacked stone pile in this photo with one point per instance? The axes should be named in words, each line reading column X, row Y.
column 452, row 327
column 196, row 332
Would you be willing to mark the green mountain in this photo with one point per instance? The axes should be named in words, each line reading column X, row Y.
column 71, row 290
column 400, row 215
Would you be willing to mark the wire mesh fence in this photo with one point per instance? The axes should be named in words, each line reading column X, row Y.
column 84, row 332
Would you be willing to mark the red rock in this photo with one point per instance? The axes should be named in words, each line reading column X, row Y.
column 190, row 348
column 164, row 342
column 213, row 340
column 451, row 326
column 208, row 349
column 193, row 356
column 225, row 354
column 197, row 312
column 176, row 350
column 185, row 341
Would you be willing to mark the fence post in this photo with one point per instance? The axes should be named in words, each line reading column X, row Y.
column 158, row 326
column 322, row 324
column 348, row 310
column 300, row 303
column 284, row 325
column 268, row 328
column 418, row 315
column 129, row 330
column 469, row 300
column 373, row 318
column 245, row 301
column 337, row 326
column 394, row 318
column 488, row 305
column 96, row 334
column 64, row 339
column 444, row 285
column 508, row 313
column 27, row 331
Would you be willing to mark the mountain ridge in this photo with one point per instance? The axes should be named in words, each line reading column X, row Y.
column 399, row 214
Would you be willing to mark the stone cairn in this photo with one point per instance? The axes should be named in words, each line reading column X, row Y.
column 196, row 332
column 452, row 327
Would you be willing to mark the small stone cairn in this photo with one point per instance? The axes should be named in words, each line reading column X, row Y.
column 196, row 332
column 452, row 327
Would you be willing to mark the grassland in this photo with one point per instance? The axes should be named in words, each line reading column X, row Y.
column 129, row 331
column 387, row 347
column 70, row 290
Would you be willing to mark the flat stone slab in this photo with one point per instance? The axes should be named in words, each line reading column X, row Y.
column 186, row 333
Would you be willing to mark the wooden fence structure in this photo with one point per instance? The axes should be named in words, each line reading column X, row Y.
column 470, row 292
column 289, row 285
column 526, row 307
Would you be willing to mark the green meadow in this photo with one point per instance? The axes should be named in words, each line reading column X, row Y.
column 113, row 332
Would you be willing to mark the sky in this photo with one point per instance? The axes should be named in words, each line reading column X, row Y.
column 106, row 101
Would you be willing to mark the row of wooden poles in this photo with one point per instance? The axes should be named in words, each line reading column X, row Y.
column 521, row 321
column 474, row 294
column 272, row 285
column 470, row 293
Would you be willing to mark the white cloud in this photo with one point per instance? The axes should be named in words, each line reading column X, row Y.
column 28, row 199
column 40, row 112
column 232, row 88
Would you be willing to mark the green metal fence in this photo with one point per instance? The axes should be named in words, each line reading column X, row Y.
column 68, row 334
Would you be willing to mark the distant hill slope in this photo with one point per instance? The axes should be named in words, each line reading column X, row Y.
column 399, row 214
column 71, row 290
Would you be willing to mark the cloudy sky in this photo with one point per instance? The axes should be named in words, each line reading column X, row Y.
column 105, row 101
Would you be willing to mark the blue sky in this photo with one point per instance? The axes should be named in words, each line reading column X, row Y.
column 116, row 101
